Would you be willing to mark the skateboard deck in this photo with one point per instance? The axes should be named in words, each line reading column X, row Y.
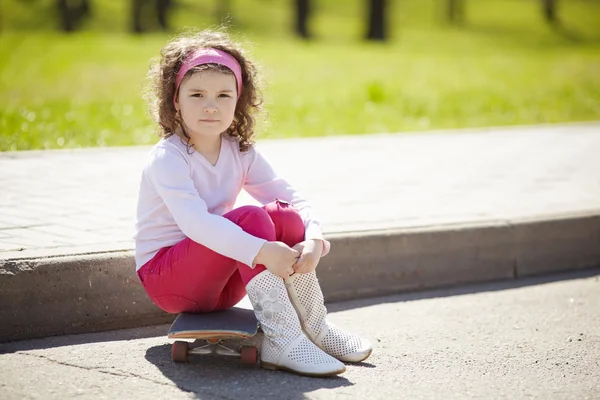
column 212, row 328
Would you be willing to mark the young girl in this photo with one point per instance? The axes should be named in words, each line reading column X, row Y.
column 194, row 252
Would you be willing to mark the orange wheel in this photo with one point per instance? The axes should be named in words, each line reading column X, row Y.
column 249, row 355
column 179, row 351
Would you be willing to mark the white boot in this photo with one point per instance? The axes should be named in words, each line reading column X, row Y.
column 306, row 296
column 285, row 346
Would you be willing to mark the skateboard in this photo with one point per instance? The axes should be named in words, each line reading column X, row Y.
column 209, row 330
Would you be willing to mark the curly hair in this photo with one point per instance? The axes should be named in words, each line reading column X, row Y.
column 163, row 72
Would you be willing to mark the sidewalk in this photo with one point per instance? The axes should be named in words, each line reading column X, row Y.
column 403, row 212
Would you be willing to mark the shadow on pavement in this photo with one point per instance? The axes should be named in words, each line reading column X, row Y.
column 83, row 338
column 225, row 377
column 465, row 289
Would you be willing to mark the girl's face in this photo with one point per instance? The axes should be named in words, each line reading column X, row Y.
column 206, row 101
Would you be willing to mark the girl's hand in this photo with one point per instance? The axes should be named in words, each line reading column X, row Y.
column 278, row 258
column 310, row 254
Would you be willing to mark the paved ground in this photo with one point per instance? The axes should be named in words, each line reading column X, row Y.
column 66, row 202
column 532, row 338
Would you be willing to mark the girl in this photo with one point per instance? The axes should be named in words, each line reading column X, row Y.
column 194, row 252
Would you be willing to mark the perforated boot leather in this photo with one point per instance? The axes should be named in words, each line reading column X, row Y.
column 306, row 296
column 285, row 346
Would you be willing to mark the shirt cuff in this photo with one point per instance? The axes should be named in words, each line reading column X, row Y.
column 254, row 244
column 314, row 233
column 326, row 247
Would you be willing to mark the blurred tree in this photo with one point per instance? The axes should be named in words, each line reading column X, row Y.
column 302, row 14
column 376, row 24
column 549, row 9
column 71, row 12
column 162, row 9
column 455, row 11
column 145, row 13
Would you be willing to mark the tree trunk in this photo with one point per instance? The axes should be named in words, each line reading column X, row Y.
column 66, row 22
column 137, row 25
column 162, row 9
column 145, row 14
column 549, row 8
column 85, row 8
column 71, row 14
column 455, row 11
column 376, row 24
column 302, row 15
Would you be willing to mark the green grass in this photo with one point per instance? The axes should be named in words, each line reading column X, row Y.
column 504, row 67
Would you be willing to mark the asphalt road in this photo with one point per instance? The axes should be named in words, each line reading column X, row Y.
column 530, row 338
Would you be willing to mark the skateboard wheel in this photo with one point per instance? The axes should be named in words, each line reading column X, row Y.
column 179, row 351
column 249, row 355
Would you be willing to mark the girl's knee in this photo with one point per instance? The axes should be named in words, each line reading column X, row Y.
column 256, row 221
column 285, row 216
column 254, row 213
column 278, row 220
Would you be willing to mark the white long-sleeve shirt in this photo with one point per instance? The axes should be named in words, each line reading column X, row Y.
column 183, row 195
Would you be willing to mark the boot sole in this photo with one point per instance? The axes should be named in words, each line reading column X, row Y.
column 274, row 367
column 357, row 361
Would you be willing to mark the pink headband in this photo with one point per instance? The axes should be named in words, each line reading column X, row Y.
column 210, row 56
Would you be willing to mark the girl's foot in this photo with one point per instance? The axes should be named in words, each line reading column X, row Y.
column 306, row 296
column 285, row 346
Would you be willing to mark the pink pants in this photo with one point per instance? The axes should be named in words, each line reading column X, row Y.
column 189, row 277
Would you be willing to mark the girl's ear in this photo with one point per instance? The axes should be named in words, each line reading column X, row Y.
column 176, row 99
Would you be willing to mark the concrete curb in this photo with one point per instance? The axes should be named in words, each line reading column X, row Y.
column 95, row 292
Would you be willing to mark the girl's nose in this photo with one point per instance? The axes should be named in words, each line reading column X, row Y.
column 210, row 107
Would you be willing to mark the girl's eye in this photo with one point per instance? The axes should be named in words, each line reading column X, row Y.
column 224, row 95
column 196, row 95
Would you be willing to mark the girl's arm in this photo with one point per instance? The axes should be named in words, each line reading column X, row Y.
column 169, row 174
column 263, row 183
